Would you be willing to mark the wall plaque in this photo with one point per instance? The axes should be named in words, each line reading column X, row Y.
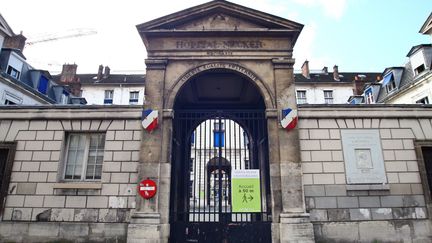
column 363, row 157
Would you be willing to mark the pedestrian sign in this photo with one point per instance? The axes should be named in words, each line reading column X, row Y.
column 245, row 191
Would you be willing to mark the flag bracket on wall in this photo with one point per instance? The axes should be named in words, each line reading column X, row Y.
column 289, row 118
column 149, row 119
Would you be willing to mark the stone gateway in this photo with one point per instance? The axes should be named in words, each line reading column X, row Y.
column 254, row 75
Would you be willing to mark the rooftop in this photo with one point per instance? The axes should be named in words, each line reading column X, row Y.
column 92, row 79
column 344, row 77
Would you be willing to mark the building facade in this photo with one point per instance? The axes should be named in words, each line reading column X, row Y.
column 104, row 88
column 412, row 83
column 220, row 82
column 408, row 84
column 324, row 87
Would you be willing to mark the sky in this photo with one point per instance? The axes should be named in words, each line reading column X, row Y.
column 356, row 35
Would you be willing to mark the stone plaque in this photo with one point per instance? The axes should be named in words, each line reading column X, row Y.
column 363, row 157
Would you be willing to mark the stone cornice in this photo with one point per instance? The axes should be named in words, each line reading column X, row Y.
column 364, row 111
column 219, row 32
column 70, row 112
column 168, row 113
column 189, row 14
column 156, row 63
column 271, row 113
column 283, row 63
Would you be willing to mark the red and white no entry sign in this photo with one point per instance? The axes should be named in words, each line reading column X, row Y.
column 147, row 188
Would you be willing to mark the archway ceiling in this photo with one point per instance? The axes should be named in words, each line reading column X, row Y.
column 219, row 90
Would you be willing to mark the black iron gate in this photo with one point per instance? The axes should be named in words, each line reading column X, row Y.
column 207, row 147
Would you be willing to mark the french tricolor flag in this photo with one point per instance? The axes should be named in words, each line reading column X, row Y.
column 149, row 119
column 289, row 119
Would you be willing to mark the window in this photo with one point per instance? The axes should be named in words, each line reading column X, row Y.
column 13, row 72
column 389, row 82
column 219, row 134
column 219, row 127
column 133, row 97
column 424, row 100
column 191, row 165
column 9, row 102
column 43, row 85
column 84, row 156
column 328, row 96
column 247, row 165
column 7, row 154
column 191, row 182
column 301, row 97
column 193, row 139
column 419, row 69
column 64, row 98
column 424, row 153
column 245, row 140
column 109, row 95
column 11, row 99
column 369, row 96
column 391, row 86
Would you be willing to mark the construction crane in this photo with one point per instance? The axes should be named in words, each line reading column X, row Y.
column 63, row 35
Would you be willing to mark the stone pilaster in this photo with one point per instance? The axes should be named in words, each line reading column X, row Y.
column 165, row 173
column 295, row 225
column 275, row 178
column 148, row 223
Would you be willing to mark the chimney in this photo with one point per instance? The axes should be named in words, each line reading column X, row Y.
column 15, row 42
column 68, row 74
column 107, row 72
column 336, row 73
column 358, row 84
column 69, row 77
column 99, row 73
column 305, row 69
column 325, row 70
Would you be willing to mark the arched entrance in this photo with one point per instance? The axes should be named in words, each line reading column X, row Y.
column 217, row 167
column 219, row 126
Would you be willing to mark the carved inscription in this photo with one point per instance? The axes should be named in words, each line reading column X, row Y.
column 219, row 53
column 221, row 65
column 231, row 44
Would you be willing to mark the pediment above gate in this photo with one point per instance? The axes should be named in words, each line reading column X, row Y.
column 219, row 21
column 217, row 16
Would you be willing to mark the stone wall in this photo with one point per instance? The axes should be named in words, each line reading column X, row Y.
column 340, row 211
column 62, row 232
column 37, row 190
column 96, row 211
